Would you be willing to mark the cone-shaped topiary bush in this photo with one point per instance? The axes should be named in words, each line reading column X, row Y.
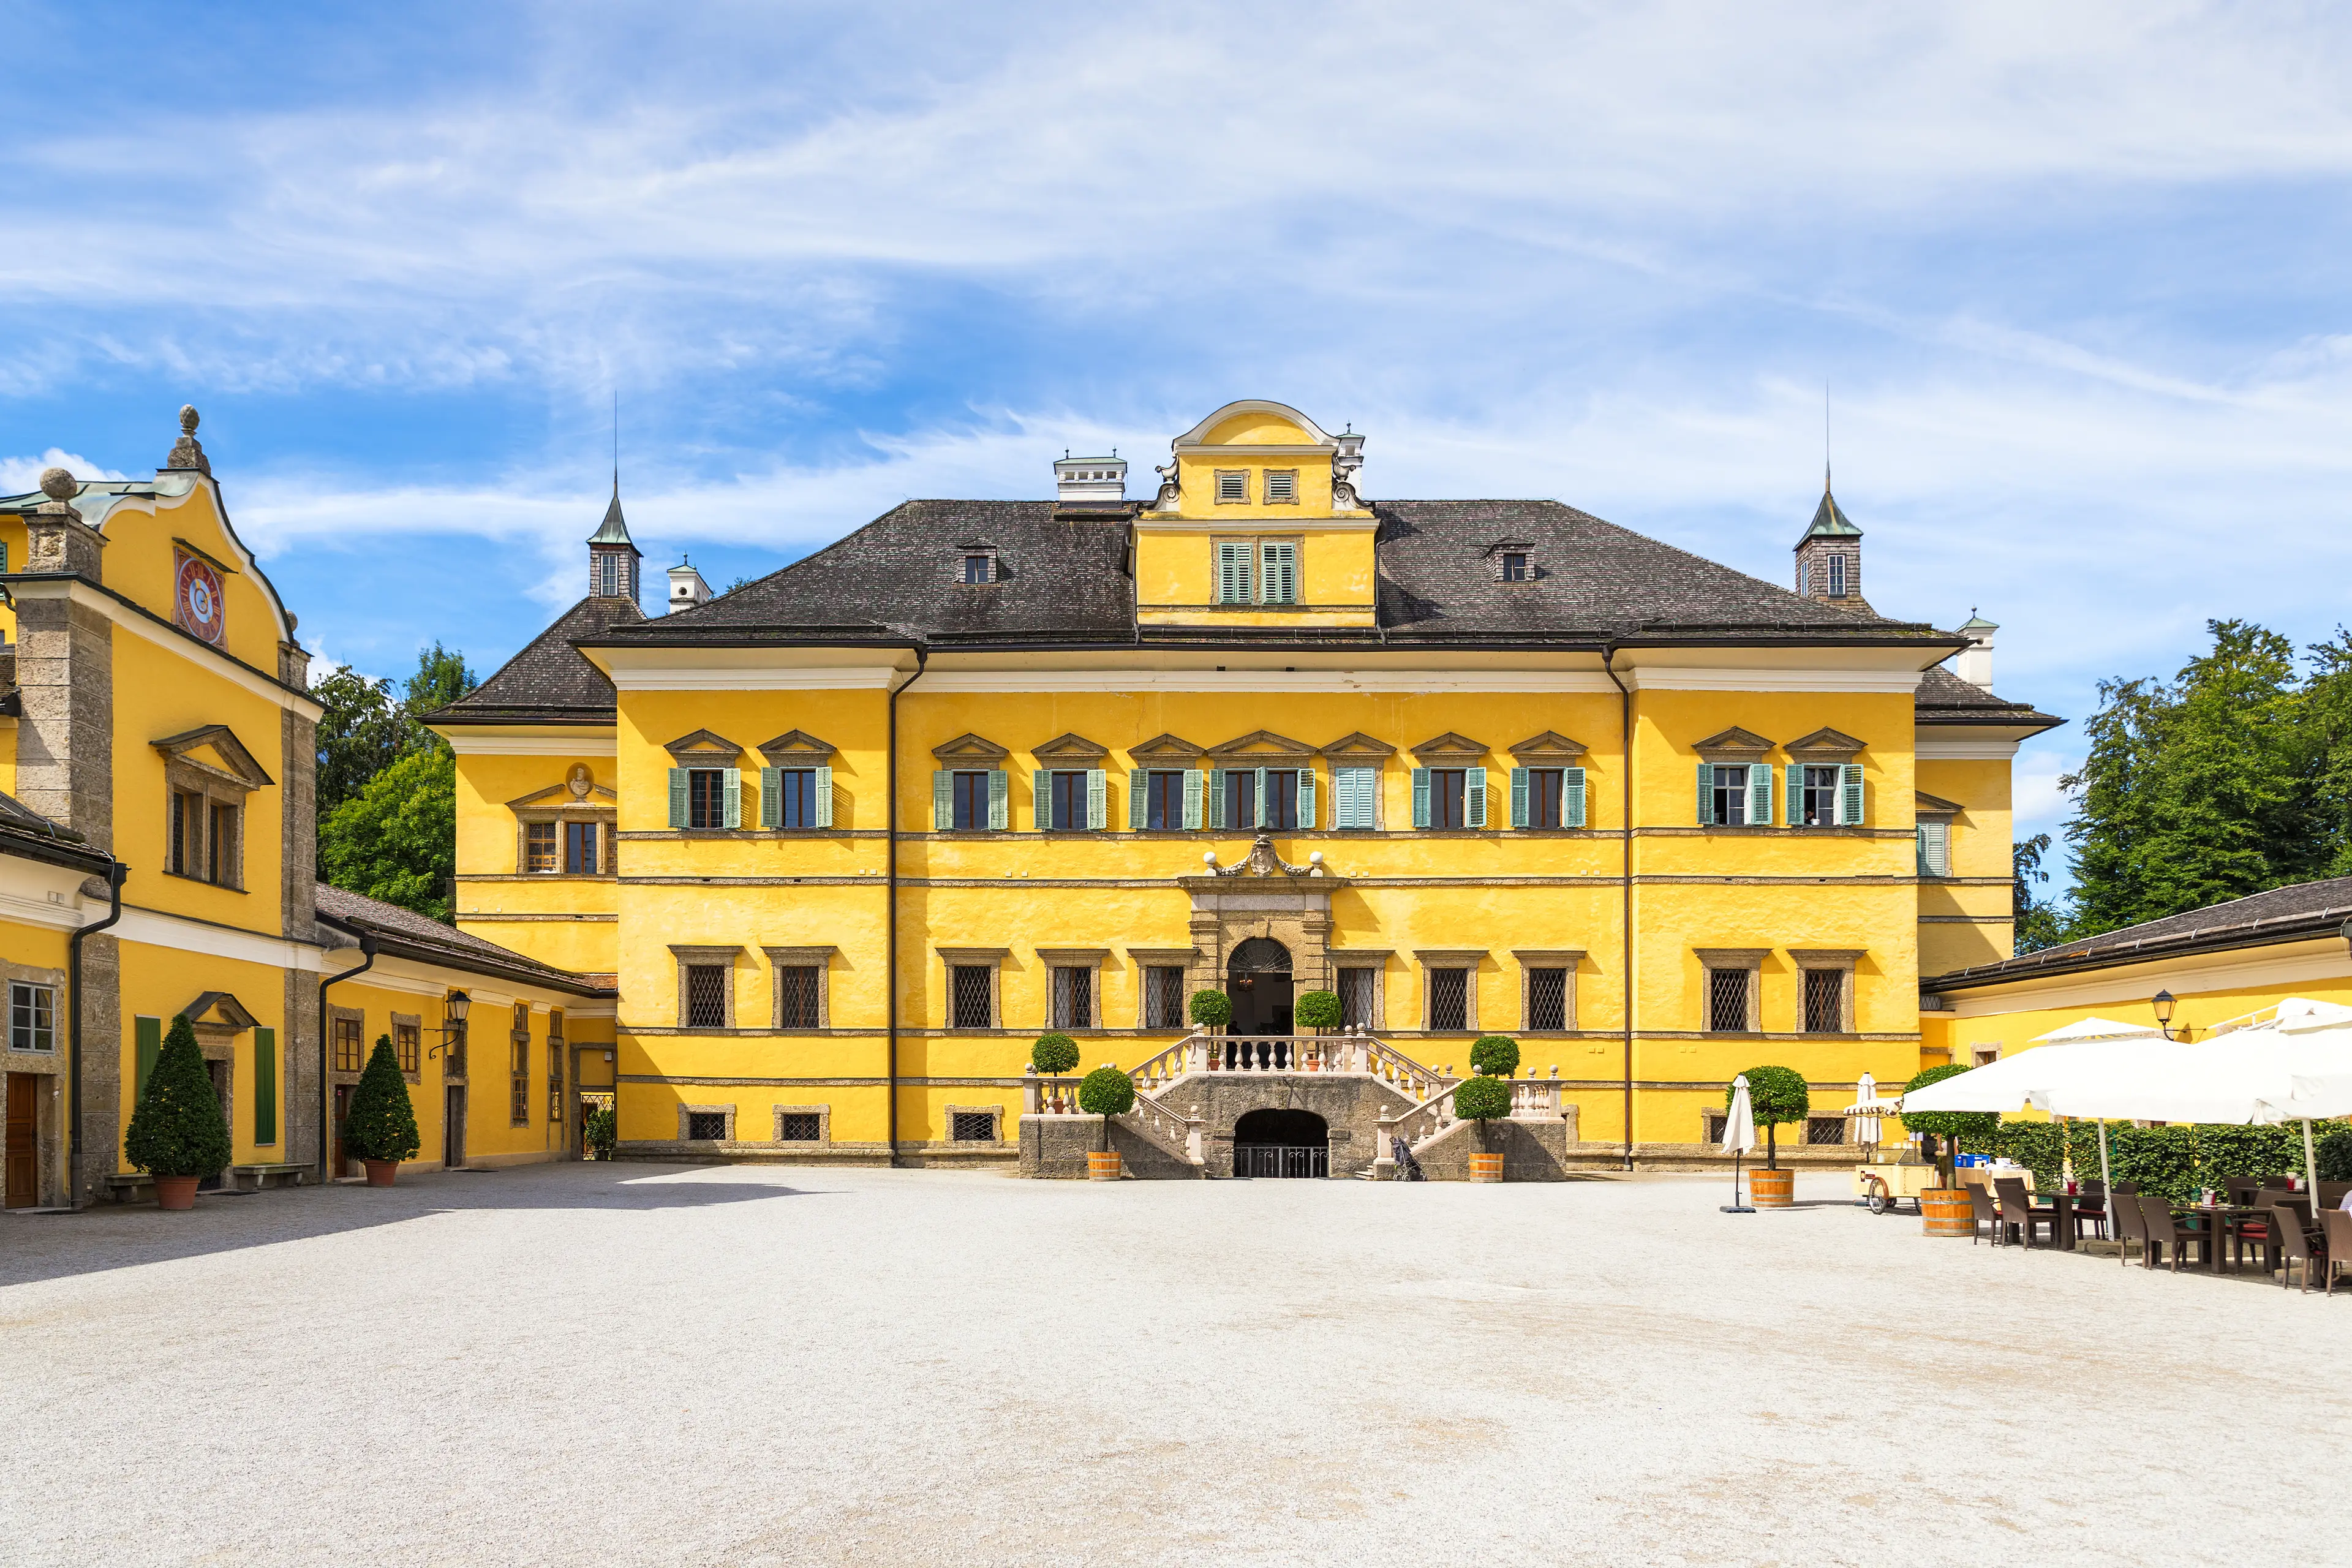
column 1108, row 1092
column 1315, row 1010
column 178, row 1129
column 1776, row 1096
column 1213, row 1008
column 382, row 1124
column 1482, row 1099
column 1494, row 1056
column 1056, row 1054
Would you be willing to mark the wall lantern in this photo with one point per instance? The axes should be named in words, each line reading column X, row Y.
column 2163, row 1004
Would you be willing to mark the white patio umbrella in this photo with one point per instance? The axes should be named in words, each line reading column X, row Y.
column 2030, row 1078
column 1865, row 1093
column 1738, row 1138
column 2075, row 1034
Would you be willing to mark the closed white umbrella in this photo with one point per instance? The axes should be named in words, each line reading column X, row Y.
column 1865, row 1130
column 1738, row 1138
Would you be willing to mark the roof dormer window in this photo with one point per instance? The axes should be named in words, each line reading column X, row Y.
column 1512, row 560
column 1233, row 486
column 976, row 569
column 976, row 564
column 1515, row 566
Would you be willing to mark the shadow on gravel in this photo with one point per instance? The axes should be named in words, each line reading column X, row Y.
column 105, row 1237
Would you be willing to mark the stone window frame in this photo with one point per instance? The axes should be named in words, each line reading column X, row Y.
column 336, row 1015
column 685, row 1125
column 995, row 1114
column 605, row 818
column 1844, row 959
column 990, row 958
column 1524, row 549
column 1934, row 811
column 54, row 980
column 981, row 547
column 1750, row 959
column 1265, row 487
column 1464, row 957
column 1375, row 959
column 1358, row 750
column 693, row 954
column 185, row 777
column 824, row 1114
column 783, row 958
column 1089, row 959
column 1534, row 958
column 1217, row 486
column 1184, row 960
column 399, row 1020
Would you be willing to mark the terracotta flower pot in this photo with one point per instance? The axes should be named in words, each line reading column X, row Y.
column 175, row 1192
column 1103, row 1167
column 380, row 1172
column 1486, row 1167
column 1770, row 1189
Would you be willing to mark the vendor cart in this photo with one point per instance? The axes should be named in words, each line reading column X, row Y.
column 1880, row 1187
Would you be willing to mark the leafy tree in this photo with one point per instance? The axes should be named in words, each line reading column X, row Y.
column 604, row 1132
column 1105, row 1092
column 1056, row 1054
column 2328, row 719
column 1976, row 1126
column 360, row 734
column 1482, row 1098
column 1315, row 1010
column 1212, row 1008
column 2038, row 924
column 397, row 838
column 1776, row 1096
column 363, row 735
column 2335, row 1156
column 177, row 1129
column 382, row 1124
column 440, row 679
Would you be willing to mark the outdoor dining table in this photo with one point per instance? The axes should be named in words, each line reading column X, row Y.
column 2221, row 1224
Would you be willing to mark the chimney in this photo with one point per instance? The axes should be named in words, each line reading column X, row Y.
column 688, row 591
column 1975, row 662
column 1087, row 483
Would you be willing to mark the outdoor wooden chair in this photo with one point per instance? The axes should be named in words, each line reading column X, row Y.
column 2295, row 1243
column 2337, row 1231
column 2331, row 1193
column 1982, row 1214
column 2164, row 1228
column 2130, row 1225
column 2018, row 1212
column 2240, row 1190
column 2261, row 1234
column 2091, row 1209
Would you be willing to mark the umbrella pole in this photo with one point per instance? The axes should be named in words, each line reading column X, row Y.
column 2066, row 1156
column 2311, row 1171
column 2107, row 1184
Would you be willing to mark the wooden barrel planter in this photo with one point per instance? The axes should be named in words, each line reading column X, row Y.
column 1101, row 1167
column 1945, row 1211
column 1772, row 1189
column 1486, row 1167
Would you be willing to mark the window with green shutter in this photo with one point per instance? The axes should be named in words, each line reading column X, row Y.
column 1278, row 573
column 265, row 1086
column 1850, row 797
column 1233, row 574
column 1355, row 797
column 148, row 1035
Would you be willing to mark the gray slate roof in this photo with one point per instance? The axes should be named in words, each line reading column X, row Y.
column 1944, row 698
column 2258, row 920
column 549, row 681
column 24, row 831
column 422, row 937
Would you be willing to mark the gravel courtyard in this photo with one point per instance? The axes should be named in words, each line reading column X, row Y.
column 606, row 1364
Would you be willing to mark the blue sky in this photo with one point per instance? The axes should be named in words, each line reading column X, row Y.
column 2073, row 275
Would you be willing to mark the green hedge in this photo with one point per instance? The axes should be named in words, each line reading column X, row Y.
column 2173, row 1162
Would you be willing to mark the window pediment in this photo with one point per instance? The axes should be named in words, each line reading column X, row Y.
column 1070, row 748
column 219, row 1010
column 1733, row 745
column 1357, row 748
column 1934, row 806
column 704, row 746
column 1550, row 746
column 1169, row 750
column 795, row 748
column 1259, row 747
column 971, row 750
column 562, row 797
column 1449, row 748
column 215, row 751
column 1825, row 744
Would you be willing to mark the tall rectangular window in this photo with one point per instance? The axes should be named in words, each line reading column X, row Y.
column 1547, row 998
column 347, row 1046
column 706, row 797
column 970, row 800
column 555, row 1081
column 580, row 849
column 1515, row 568
column 796, row 996
column 1067, row 792
column 1449, row 998
column 1837, row 577
column 1163, row 799
column 1727, row 1000
column 1446, row 797
column 1819, row 808
column 187, row 828
column 220, row 846
column 1280, row 806
column 1355, row 797
column 1073, row 997
column 608, row 571
column 1234, row 582
column 1278, row 573
column 706, row 996
column 975, row 569
column 406, row 1046
column 1359, row 997
column 519, row 1086
column 539, row 847
column 1728, row 804
column 1241, row 798
column 32, row 1018
column 971, row 998
column 1163, row 997
column 796, row 798
column 1543, row 797
column 1824, row 1000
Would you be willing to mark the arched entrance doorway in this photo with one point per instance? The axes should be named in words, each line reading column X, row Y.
column 1258, row 978
column 1282, row 1144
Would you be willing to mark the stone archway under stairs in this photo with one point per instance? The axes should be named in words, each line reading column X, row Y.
column 1193, row 1098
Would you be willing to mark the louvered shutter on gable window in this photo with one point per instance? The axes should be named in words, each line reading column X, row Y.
column 943, row 800
column 730, row 781
column 678, row 797
column 1139, row 785
column 771, row 797
column 1216, row 797
column 1307, row 799
column 1195, row 785
column 1233, row 575
column 1850, row 798
column 1518, row 797
column 1041, row 796
column 1000, row 799
column 1098, row 792
column 1279, row 581
column 1473, row 796
column 1760, row 795
column 1707, row 795
column 823, row 802
column 1572, row 798
column 1421, row 797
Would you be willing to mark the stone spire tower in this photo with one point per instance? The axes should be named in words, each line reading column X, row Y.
column 1829, row 557
column 613, row 556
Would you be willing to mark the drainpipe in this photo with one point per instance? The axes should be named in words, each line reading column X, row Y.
column 1625, row 863
column 890, row 939
column 115, row 876
column 326, row 1088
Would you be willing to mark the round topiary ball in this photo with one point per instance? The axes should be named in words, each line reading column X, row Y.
column 1494, row 1056
column 1315, row 1010
column 1106, row 1091
column 1482, row 1099
column 1777, row 1096
column 1055, row 1054
column 1973, row 1125
column 1213, row 1008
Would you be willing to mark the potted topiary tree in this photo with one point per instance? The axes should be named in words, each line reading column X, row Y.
column 1944, row 1210
column 1053, row 1055
column 1485, row 1097
column 177, row 1133
column 381, row 1126
column 1108, row 1092
column 1777, row 1096
column 1318, row 1011
column 1211, row 1009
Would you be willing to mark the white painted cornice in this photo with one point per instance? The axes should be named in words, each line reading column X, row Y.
column 937, row 682
column 468, row 741
column 170, row 638
column 1702, row 678
column 1930, row 748
column 157, row 928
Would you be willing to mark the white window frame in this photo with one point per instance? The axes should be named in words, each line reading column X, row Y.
column 38, row 999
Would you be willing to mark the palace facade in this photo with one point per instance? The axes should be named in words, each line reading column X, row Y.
column 844, row 841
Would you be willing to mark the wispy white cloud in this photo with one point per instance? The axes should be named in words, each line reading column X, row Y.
column 21, row 476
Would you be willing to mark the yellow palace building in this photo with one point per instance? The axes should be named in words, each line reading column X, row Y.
column 157, row 845
column 845, row 841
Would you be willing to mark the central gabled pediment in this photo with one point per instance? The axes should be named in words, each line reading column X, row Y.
column 1825, row 743
column 1357, row 748
column 1169, row 750
column 219, row 1010
column 704, row 746
column 1261, row 746
column 216, row 749
column 1450, row 747
column 1733, row 745
column 794, row 746
column 1070, row 748
column 971, row 750
column 599, row 797
column 1551, row 746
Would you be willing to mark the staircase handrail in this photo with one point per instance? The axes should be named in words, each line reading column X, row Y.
column 1185, row 1131
column 1532, row 1099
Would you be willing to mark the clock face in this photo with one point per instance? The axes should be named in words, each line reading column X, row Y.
column 200, row 606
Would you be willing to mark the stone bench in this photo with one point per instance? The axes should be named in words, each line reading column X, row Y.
column 283, row 1175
